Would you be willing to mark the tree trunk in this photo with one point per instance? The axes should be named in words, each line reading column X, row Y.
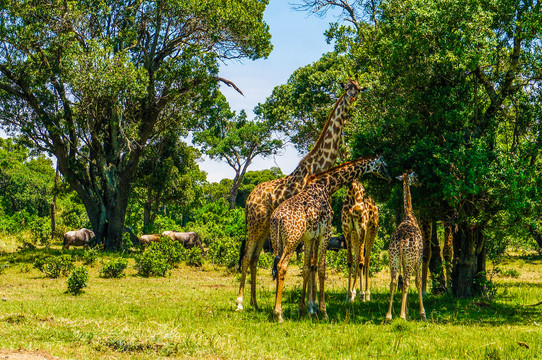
column 435, row 263
column 469, row 261
column 147, row 211
column 53, row 205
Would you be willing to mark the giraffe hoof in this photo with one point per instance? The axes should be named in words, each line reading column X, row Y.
column 423, row 318
column 239, row 307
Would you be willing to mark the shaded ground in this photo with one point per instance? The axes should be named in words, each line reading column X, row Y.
column 22, row 354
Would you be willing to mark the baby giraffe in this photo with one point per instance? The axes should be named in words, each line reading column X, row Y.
column 406, row 249
column 307, row 217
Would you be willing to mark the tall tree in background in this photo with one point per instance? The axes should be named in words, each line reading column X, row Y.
column 168, row 176
column 456, row 95
column 92, row 82
column 238, row 141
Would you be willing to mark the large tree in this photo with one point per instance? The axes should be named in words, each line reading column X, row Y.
column 238, row 141
column 456, row 95
column 92, row 82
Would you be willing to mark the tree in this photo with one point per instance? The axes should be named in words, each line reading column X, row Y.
column 252, row 179
column 238, row 141
column 26, row 181
column 94, row 82
column 168, row 176
column 456, row 95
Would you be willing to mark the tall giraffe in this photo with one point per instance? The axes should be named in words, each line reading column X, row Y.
column 406, row 249
column 448, row 252
column 360, row 223
column 307, row 217
column 268, row 195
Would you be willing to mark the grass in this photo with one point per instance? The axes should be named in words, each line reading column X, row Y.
column 191, row 314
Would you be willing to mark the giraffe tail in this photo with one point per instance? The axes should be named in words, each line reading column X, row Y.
column 241, row 254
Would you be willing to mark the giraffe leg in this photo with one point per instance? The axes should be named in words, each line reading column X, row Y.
column 281, row 275
column 348, row 261
column 420, row 293
column 313, row 290
column 322, row 247
column 406, row 278
column 368, row 250
column 253, row 247
column 392, row 291
column 356, row 266
column 306, row 276
column 426, row 238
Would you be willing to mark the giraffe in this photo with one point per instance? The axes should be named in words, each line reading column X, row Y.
column 426, row 228
column 307, row 217
column 360, row 223
column 268, row 195
column 406, row 249
column 448, row 252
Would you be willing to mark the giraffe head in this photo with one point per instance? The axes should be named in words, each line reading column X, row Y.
column 412, row 178
column 353, row 89
column 379, row 168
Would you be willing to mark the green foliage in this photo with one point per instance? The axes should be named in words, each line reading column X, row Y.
column 224, row 251
column 41, row 231
column 26, row 182
column 114, row 268
column 236, row 140
column 90, row 256
column 337, row 260
column 127, row 79
column 151, row 263
column 253, row 178
column 54, row 266
column 77, row 280
column 194, row 257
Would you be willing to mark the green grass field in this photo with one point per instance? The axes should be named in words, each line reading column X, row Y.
column 190, row 314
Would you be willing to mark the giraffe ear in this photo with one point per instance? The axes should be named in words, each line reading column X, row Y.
column 400, row 177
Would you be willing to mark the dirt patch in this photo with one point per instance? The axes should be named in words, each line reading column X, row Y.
column 22, row 354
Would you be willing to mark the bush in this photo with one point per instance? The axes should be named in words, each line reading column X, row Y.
column 194, row 257
column 173, row 251
column 41, row 231
column 114, row 268
column 89, row 257
column 54, row 266
column 336, row 260
column 152, row 262
column 77, row 280
column 224, row 251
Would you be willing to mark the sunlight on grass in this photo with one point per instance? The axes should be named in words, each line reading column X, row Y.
column 190, row 314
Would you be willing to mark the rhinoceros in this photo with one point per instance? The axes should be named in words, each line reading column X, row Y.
column 147, row 239
column 188, row 239
column 78, row 238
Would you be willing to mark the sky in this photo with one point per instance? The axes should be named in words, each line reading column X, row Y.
column 298, row 40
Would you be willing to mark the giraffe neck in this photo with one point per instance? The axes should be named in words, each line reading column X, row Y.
column 407, row 200
column 326, row 150
column 339, row 176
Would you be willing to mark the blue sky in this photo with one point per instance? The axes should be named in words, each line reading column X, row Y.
column 298, row 40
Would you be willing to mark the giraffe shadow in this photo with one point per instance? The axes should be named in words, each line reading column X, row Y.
column 440, row 309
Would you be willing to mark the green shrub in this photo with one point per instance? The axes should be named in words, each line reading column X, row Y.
column 266, row 260
column 336, row 260
column 41, row 231
column 194, row 257
column 114, row 268
column 224, row 251
column 54, row 266
column 89, row 257
column 152, row 262
column 77, row 280
column 511, row 273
